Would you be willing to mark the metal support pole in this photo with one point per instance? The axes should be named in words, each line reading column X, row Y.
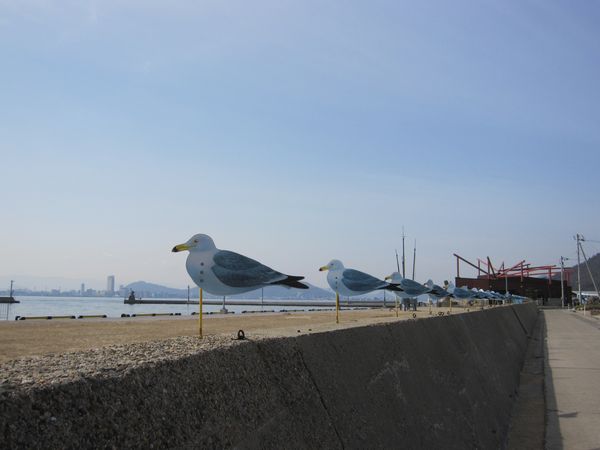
column 200, row 315
column 414, row 259
column 403, row 257
column 579, row 273
column 337, row 307
column 562, row 280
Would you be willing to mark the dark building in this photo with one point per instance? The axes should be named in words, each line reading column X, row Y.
column 531, row 287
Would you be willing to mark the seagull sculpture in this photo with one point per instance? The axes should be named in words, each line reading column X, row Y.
column 223, row 272
column 436, row 290
column 351, row 282
column 463, row 293
column 410, row 288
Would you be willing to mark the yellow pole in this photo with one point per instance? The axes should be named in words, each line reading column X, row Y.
column 429, row 305
column 337, row 307
column 396, row 306
column 200, row 315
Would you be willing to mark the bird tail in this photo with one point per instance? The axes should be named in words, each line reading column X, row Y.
column 292, row 281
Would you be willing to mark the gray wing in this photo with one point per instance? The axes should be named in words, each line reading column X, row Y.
column 237, row 270
column 438, row 290
column 411, row 284
column 412, row 287
column 360, row 281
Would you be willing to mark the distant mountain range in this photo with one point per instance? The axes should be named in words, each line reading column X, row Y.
column 586, row 281
column 149, row 290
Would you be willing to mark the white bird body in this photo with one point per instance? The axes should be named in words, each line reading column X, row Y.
column 223, row 272
column 196, row 264
column 334, row 279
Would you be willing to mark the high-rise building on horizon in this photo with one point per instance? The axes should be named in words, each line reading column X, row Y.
column 82, row 289
column 110, row 284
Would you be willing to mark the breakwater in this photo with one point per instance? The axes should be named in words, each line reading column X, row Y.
column 444, row 382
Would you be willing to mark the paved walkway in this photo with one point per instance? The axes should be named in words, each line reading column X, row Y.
column 572, row 381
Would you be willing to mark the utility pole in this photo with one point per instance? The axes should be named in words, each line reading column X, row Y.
column 578, row 237
column 11, row 287
column 414, row 259
column 562, row 279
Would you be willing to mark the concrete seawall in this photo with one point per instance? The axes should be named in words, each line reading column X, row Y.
column 445, row 382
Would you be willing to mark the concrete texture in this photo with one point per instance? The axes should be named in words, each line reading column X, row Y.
column 446, row 382
column 572, row 370
column 527, row 430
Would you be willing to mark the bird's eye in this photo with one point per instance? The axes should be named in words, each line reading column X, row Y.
column 195, row 241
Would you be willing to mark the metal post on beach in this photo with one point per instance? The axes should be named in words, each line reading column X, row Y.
column 337, row 307
column 200, row 315
column 562, row 281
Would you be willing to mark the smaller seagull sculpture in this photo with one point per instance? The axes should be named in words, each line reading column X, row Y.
column 222, row 272
column 436, row 290
column 463, row 293
column 410, row 288
column 350, row 282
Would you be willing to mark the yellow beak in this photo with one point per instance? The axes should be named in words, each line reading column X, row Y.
column 321, row 269
column 180, row 248
column 389, row 277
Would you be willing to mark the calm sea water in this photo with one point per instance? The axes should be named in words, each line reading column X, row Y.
column 112, row 307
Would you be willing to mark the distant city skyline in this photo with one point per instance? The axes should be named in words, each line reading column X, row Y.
column 295, row 133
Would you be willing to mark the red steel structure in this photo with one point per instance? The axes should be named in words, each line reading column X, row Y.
column 521, row 278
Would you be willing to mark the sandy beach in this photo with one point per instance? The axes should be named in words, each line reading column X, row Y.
column 40, row 337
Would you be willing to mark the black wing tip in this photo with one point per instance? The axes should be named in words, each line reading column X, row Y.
column 393, row 287
column 293, row 282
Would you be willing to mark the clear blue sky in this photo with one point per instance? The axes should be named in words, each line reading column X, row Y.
column 295, row 132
